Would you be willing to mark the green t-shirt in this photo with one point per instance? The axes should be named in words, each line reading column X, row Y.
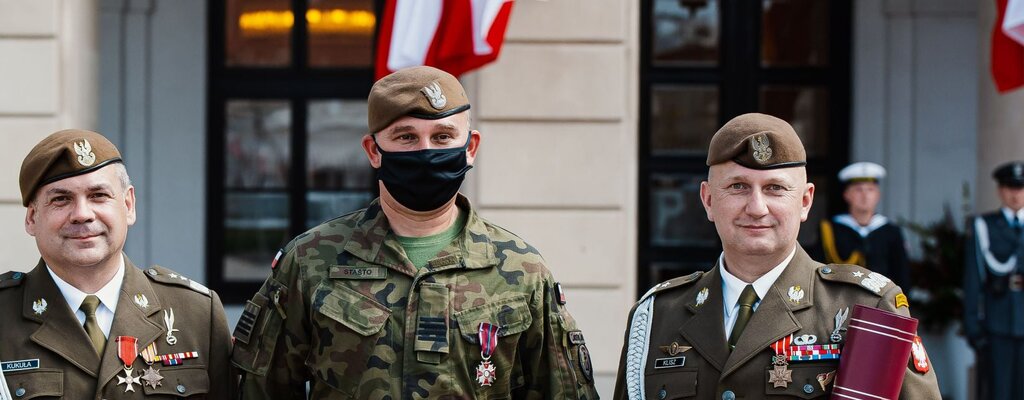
column 423, row 249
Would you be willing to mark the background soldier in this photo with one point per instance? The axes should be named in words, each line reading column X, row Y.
column 713, row 335
column 863, row 237
column 81, row 317
column 994, row 288
column 416, row 296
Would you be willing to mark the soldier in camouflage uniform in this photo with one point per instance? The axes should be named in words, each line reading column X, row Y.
column 415, row 296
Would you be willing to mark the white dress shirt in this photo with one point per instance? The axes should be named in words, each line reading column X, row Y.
column 108, row 296
column 733, row 286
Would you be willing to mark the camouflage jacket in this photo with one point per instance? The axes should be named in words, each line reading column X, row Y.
column 345, row 310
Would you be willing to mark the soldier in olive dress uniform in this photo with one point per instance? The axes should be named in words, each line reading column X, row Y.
column 86, row 323
column 716, row 334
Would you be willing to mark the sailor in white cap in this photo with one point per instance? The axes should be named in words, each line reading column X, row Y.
column 862, row 236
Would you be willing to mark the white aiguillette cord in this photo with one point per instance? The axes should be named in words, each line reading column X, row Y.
column 5, row 393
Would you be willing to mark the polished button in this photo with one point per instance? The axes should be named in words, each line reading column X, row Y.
column 662, row 394
column 808, row 388
column 827, row 270
column 181, row 389
column 20, row 392
column 728, row 395
column 16, row 276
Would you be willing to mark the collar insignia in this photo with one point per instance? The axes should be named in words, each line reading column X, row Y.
column 39, row 306
column 142, row 301
column 702, row 296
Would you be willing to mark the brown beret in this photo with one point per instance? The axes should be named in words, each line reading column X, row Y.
column 757, row 141
column 64, row 154
column 420, row 92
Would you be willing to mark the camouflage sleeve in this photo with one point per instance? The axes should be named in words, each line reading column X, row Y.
column 272, row 337
column 916, row 384
column 555, row 360
column 221, row 372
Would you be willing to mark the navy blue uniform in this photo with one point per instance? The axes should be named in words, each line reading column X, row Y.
column 994, row 303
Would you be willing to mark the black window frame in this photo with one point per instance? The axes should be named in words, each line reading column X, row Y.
column 297, row 84
column 738, row 76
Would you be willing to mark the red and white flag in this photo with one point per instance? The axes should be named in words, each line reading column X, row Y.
column 453, row 35
column 1013, row 20
column 1007, row 54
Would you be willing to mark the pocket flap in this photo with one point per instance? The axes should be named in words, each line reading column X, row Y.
column 671, row 384
column 36, row 383
column 180, row 382
column 512, row 315
column 350, row 308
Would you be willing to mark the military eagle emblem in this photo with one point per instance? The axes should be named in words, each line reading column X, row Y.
column 39, row 306
column 85, row 155
column 435, row 95
column 762, row 148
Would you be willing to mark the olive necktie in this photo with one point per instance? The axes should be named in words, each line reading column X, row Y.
column 747, row 299
column 92, row 328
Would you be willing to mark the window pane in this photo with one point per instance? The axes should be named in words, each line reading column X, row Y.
column 255, row 226
column 258, row 144
column 794, row 33
column 683, row 119
column 677, row 215
column 324, row 206
column 258, row 33
column 685, row 32
column 336, row 158
column 341, row 33
column 806, row 108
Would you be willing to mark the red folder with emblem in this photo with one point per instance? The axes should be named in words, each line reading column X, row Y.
column 878, row 346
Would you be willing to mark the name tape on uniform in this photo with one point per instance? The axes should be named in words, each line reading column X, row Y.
column 20, row 365
column 670, row 362
column 349, row 272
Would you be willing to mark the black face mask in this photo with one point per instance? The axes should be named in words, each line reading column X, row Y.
column 423, row 180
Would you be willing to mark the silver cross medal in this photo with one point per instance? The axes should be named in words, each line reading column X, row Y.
column 169, row 321
column 836, row 336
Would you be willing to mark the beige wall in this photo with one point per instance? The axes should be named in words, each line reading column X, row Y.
column 47, row 82
column 558, row 113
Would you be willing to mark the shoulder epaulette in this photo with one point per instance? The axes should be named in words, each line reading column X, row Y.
column 672, row 284
column 856, row 275
column 11, row 279
column 163, row 275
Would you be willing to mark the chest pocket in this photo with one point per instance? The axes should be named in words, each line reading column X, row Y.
column 805, row 383
column 672, row 383
column 181, row 382
column 36, row 384
column 513, row 317
column 349, row 328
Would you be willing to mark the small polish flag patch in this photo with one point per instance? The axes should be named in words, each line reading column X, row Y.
column 277, row 258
